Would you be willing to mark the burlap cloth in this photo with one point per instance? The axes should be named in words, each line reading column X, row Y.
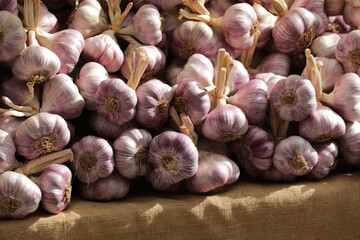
column 329, row 209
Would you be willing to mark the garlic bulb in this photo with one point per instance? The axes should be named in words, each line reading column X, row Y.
column 276, row 176
column 327, row 152
column 173, row 156
column 293, row 98
column 9, row 5
column 348, row 52
column 213, row 146
column 7, row 152
column 349, row 143
column 251, row 98
column 351, row 14
column 294, row 40
column 219, row 6
column 12, row 37
column 88, row 18
column 194, row 37
column 192, row 99
column 113, row 187
column 322, row 125
column 62, row 97
column 213, row 173
column 277, row 63
column 10, row 124
column 90, row 76
column 334, row 7
column 40, row 134
column 254, row 150
column 314, row 6
column 93, row 159
column 104, row 128
column 48, row 21
column 152, row 109
column 174, row 68
column 337, row 25
column 19, row 196
column 266, row 24
column 55, row 185
column 131, row 152
column 295, row 155
column 272, row 81
column 162, row 4
column 262, row 76
column 156, row 184
column 66, row 44
column 345, row 97
column 325, row 45
column 104, row 49
column 146, row 25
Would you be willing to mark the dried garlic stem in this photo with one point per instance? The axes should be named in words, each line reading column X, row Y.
column 247, row 55
column 137, row 69
column 184, row 124
column 16, row 110
column 313, row 71
column 115, row 15
column 196, row 6
column 193, row 16
column 220, row 62
column 281, row 7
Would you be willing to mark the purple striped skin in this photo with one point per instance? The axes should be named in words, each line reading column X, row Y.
column 26, row 194
column 7, row 152
column 9, row 5
column 10, row 124
column 38, row 126
column 113, row 187
column 102, row 152
column 180, row 147
column 104, row 128
column 350, row 143
column 55, row 185
column 327, row 152
column 48, row 21
column 277, row 63
column 275, row 175
column 346, row 45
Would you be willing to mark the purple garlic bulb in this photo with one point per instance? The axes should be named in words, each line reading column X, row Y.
column 7, row 152
column 327, row 152
column 350, row 142
column 348, row 52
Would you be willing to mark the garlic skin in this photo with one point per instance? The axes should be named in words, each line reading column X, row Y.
column 295, row 155
column 48, row 21
column 337, row 25
column 40, row 134
column 89, row 18
column 90, row 76
column 146, row 25
column 276, row 176
column 162, row 4
column 213, row 146
column 334, row 7
column 322, row 125
column 116, row 101
column 327, row 152
column 251, row 98
column 348, row 52
column 349, row 143
column 104, row 128
column 131, row 152
column 293, row 98
column 194, row 37
column 154, row 54
column 314, row 6
column 277, row 63
column 262, row 76
column 113, row 187
column 213, row 173
column 198, row 68
column 55, row 185
column 325, row 45
column 156, row 184
column 173, row 156
column 192, row 99
column 19, row 196
column 351, row 15
column 7, row 152
column 61, row 96
column 289, row 39
column 225, row 123
column 266, row 24
column 9, row 5
column 254, row 150
column 152, row 109
column 174, row 68
column 66, row 44
column 104, row 49
column 345, row 97
column 219, row 7
column 93, row 159
column 10, row 124
column 13, row 36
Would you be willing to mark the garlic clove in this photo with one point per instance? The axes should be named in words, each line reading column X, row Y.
column 10, row 124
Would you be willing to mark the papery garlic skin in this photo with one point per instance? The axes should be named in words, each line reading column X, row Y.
column 194, row 37
column 348, row 52
column 7, row 152
column 350, row 142
column 9, row 5
column 325, row 45
column 10, row 124
column 213, row 173
column 251, row 98
column 173, row 156
column 12, row 36
column 90, row 76
column 116, row 101
column 219, row 6
column 66, row 44
column 327, row 152
column 293, row 98
column 156, row 184
column 225, row 123
column 162, row 4
column 213, row 146
column 277, row 63
column 334, row 7
column 55, row 185
column 314, row 6
column 351, row 15
column 152, row 109
column 337, row 25
column 131, row 152
column 19, row 196
column 40, row 134
column 266, row 24
column 174, row 68
column 48, row 21
column 322, row 125
column 295, row 155
column 104, row 49
column 89, row 18
column 192, row 99
column 93, row 159
column 273, row 174
column 61, row 96
column 113, row 187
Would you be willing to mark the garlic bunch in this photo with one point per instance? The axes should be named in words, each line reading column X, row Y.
column 7, row 152
column 348, row 52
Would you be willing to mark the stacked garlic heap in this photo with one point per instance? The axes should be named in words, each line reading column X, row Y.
column 180, row 93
